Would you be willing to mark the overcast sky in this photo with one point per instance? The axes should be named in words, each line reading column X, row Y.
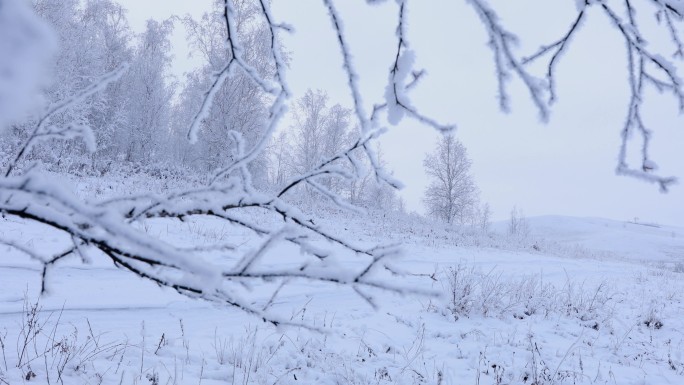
column 564, row 167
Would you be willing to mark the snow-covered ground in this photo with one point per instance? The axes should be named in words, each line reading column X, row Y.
column 648, row 242
column 579, row 301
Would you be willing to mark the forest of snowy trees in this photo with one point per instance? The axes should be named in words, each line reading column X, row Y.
column 129, row 118
column 140, row 121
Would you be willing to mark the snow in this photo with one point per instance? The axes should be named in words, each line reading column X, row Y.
column 395, row 92
column 26, row 47
column 633, row 240
column 527, row 313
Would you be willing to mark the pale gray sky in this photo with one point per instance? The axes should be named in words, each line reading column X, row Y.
column 563, row 167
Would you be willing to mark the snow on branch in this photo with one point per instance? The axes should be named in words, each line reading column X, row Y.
column 640, row 59
column 557, row 48
column 676, row 7
column 646, row 68
column 34, row 197
column 278, row 108
column 219, row 79
column 501, row 43
column 43, row 131
column 669, row 13
column 236, row 50
column 327, row 166
column 397, row 102
column 352, row 76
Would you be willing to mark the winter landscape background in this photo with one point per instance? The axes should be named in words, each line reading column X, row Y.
column 341, row 193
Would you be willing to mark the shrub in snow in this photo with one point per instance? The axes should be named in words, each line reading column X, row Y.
column 518, row 226
column 471, row 292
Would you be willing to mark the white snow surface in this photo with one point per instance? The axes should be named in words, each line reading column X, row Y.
column 581, row 301
column 634, row 240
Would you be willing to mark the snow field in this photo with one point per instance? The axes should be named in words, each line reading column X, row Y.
column 508, row 313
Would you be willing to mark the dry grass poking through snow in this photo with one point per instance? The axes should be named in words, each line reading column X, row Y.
column 490, row 328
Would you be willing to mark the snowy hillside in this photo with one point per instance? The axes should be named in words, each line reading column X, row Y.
column 505, row 313
column 632, row 240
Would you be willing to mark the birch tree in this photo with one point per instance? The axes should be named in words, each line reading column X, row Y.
column 239, row 105
column 451, row 195
column 149, row 92
column 319, row 132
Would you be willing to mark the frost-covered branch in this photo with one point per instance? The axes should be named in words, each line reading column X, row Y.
column 236, row 58
column 639, row 59
column 668, row 13
column 501, row 43
column 397, row 102
column 645, row 68
column 348, row 66
column 43, row 131
column 365, row 123
column 327, row 167
column 33, row 197
column 557, row 49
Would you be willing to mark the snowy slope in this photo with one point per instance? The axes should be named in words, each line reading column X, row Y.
column 508, row 313
column 636, row 241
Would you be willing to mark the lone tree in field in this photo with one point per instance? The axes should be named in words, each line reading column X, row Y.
column 451, row 195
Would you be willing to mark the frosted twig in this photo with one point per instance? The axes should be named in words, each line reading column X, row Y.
column 352, row 76
column 638, row 56
column 500, row 41
column 323, row 167
column 61, row 106
column 395, row 93
column 558, row 48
